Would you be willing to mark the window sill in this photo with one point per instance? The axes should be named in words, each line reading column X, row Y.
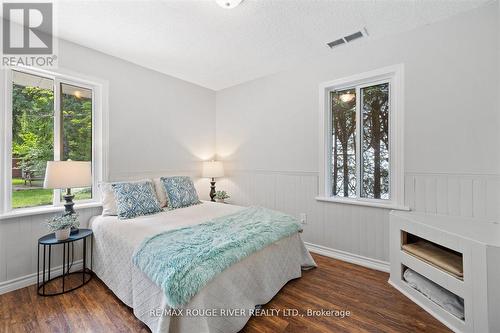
column 363, row 203
column 45, row 210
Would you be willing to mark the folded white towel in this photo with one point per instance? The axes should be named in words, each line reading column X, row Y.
column 442, row 297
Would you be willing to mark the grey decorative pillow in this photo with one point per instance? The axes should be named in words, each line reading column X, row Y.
column 180, row 192
column 135, row 199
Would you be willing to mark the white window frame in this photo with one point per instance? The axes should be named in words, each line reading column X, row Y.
column 395, row 76
column 99, row 90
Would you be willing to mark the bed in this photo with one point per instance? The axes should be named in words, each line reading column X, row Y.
column 252, row 281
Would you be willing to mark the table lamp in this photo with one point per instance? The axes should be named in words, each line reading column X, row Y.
column 67, row 175
column 212, row 169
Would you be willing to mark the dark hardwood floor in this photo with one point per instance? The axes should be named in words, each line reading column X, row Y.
column 374, row 306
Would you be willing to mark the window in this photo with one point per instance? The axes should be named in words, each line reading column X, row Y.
column 32, row 138
column 48, row 117
column 361, row 155
column 76, row 130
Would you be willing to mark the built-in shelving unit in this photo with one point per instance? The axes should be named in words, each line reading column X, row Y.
column 456, row 261
column 434, row 254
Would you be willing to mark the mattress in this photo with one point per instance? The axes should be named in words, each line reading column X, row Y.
column 250, row 282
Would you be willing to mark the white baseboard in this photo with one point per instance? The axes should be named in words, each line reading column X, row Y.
column 349, row 257
column 30, row 279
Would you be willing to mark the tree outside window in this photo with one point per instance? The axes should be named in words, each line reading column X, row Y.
column 33, row 119
column 368, row 122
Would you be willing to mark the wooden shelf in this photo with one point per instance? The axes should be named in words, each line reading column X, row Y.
column 433, row 273
column 438, row 256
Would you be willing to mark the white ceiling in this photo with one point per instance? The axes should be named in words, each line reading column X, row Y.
column 200, row 42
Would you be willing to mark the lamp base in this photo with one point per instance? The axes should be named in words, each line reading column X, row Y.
column 212, row 190
column 68, row 208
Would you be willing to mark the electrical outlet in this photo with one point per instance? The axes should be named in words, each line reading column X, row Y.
column 303, row 218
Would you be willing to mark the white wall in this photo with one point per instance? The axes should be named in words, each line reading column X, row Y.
column 267, row 130
column 157, row 122
column 157, row 125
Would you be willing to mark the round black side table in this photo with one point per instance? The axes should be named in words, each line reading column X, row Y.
column 49, row 241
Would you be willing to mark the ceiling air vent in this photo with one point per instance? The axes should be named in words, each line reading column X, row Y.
column 336, row 43
column 354, row 36
column 348, row 38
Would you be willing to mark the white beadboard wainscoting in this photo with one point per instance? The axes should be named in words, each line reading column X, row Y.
column 356, row 233
column 18, row 248
column 353, row 233
column 470, row 195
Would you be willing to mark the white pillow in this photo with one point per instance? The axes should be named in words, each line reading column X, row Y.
column 107, row 199
column 108, row 196
column 160, row 192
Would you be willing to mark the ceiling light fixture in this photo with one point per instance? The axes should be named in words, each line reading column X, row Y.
column 228, row 4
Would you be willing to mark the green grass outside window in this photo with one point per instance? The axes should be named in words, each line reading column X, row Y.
column 38, row 196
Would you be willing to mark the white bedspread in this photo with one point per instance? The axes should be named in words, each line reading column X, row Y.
column 252, row 281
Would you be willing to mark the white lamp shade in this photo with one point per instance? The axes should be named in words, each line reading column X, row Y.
column 212, row 169
column 68, row 174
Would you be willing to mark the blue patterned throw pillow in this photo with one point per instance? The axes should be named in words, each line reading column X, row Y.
column 180, row 192
column 135, row 199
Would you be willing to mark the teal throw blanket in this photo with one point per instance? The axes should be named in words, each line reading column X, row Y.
column 183, row 261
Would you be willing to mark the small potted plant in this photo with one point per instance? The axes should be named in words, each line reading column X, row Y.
column 220, row 196
column 61, row 225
